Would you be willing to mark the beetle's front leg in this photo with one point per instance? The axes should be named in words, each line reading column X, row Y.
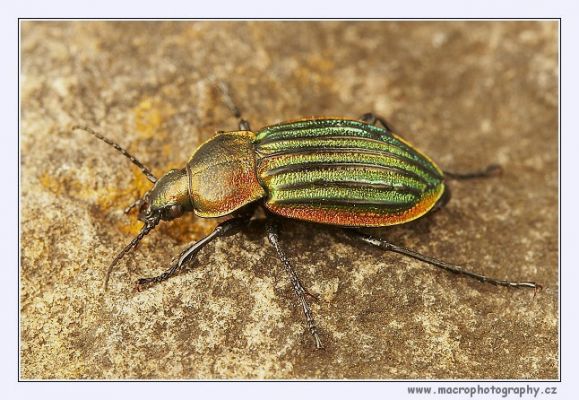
column 272, row 230
column 385, row 245
column 225, row 228
column 135, row 204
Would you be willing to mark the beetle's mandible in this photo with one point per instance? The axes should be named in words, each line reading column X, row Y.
column 351, row 173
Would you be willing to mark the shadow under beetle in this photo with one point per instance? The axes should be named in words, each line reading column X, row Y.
column 337, row 171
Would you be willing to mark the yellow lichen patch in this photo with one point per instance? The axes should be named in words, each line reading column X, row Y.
column 106, row 199
column 132, row 226
column 109, row 197
column 189, row 228
column 141, row 184
column 49, row 182
column 72, row 187
column 137, row 189
column 115, row 197
column 150, row 115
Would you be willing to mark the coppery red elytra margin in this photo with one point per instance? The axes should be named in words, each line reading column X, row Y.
column 351, row 173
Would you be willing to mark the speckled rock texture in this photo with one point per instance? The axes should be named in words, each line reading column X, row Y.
column 466, row 93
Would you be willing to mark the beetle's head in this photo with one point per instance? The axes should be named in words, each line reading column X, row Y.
column 167, row 200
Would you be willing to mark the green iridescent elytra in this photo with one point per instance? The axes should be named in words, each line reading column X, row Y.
column 344, row 172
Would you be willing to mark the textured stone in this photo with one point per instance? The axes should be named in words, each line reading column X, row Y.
column 466, row 93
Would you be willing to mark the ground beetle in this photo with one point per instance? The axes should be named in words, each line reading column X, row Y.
column 337, row 171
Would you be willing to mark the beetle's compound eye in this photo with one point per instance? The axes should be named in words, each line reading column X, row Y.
column 174, row 211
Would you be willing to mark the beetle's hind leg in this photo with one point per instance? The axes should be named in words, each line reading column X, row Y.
column 225, row 228
column 489, row 171
column 443, row 200
column 385, row 245
column 373, row 119
column 272, row 229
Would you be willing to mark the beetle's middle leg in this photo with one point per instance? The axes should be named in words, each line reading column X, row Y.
column 225, row 228
column 272, row 230
column 385, row 245
column 373, row 119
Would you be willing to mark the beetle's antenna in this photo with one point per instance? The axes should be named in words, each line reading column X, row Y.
column 146, row 229
column 146, row 171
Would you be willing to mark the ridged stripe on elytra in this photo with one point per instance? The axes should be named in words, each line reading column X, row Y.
column 336, row 146
column 340, row 145
column 273, row 131
column 306, row 133
column 344, row 172
column 307, row 162
column 330, row 195
column 346, row 175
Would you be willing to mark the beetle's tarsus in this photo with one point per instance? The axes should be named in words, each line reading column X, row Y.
column 223, row 229
column 314, row 296
column 494, row 170
column 319, row 345
column 385, row 245
column 138, row 288
column 272, row 230
column 538, row 288
column 143, row 283
column 490, row 171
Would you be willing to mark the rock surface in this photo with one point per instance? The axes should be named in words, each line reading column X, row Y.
column 466, row 93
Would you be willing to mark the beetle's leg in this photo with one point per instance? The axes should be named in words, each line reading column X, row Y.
column 372, row 119
column 489, row 171
column 244, row 125
column 385, row 245
column 228, row 99
column 273, row 235
column 225, row 228
column 443, row 200
column 137, row 203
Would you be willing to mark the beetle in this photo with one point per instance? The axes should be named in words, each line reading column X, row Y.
column 351, row 173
